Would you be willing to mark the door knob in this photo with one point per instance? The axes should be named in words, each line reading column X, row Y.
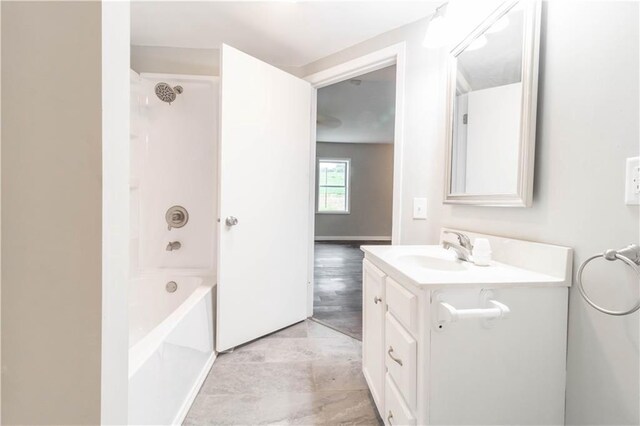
column 231, row 221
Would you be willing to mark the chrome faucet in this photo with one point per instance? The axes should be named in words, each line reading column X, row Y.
column 173, row 245
column 463, row 249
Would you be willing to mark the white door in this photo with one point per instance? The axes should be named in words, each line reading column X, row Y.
column 265, row 119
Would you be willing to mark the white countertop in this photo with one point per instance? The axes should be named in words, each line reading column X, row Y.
column 434, row 266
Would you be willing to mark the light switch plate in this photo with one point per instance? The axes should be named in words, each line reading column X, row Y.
column 632, row 182
column 419, row 208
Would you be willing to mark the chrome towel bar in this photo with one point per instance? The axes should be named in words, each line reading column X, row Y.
column 629, row 255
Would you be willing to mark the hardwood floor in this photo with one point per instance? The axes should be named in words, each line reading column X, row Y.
column 338, row 285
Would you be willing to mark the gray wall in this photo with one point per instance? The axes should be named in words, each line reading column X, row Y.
column 588, row 124
column 371, row 191
column 51, row 236
column 175, row 60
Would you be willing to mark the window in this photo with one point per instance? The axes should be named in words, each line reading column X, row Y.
column 333, row 186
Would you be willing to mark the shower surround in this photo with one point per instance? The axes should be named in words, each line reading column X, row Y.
column 173, row 243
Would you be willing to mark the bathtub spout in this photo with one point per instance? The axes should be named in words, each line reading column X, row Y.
column 173, row 245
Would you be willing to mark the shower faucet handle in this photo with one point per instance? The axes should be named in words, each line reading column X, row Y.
column 176, row 217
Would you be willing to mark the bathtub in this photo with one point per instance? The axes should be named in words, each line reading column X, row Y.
column 171, row 346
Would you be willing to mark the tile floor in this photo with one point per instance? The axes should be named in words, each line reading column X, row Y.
column 338, row 285
column 307, row 374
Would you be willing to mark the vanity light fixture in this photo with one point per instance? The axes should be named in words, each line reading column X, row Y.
column 437, row 30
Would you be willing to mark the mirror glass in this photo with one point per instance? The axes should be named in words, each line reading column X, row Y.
column 487, row 109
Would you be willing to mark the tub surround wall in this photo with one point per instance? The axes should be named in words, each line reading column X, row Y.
column 51, row 236
column 174, row 163
column 587, row 126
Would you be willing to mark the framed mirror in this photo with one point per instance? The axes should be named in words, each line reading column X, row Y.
column 491, row 109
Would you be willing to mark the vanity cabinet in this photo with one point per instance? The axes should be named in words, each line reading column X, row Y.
column 471, row 348
column 373, row 280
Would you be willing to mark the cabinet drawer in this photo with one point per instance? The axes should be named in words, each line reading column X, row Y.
column 403, row 304
column 401, row 353
column 396, row 412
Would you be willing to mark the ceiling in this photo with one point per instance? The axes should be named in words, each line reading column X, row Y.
column 283, row 33
column 360, row 110
column 499, row 62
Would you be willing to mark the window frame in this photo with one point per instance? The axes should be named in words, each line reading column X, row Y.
column 347, row 185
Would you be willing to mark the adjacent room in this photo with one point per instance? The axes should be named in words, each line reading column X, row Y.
column 354, row 190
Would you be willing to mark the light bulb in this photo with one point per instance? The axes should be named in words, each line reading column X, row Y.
column 437, row 32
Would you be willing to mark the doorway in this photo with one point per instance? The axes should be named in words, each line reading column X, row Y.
column 355, row 132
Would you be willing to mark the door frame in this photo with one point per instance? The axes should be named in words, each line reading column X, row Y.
column 392, row 55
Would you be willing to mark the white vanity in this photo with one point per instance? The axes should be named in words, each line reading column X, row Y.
column 449, row 342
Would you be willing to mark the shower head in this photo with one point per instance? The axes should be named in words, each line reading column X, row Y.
column 166, row 93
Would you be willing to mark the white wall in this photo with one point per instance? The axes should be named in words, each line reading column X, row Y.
column 588, row 124
column 51, row 236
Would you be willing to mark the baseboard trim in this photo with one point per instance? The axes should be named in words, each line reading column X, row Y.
column 352, row 238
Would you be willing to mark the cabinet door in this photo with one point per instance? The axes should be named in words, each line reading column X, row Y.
column 509, row 372
column 373, row 331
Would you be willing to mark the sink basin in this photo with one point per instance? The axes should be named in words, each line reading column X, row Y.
column 435, row 267
column 430, row 262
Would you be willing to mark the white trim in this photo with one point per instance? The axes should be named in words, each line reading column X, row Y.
column 347, row 186
column 373, row 61
column 353, row 238
column 116, row 88
column 186, row 406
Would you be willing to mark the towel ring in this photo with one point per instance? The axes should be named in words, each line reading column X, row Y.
column 629, row 255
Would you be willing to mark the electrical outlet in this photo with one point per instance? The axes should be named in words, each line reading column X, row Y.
column 632, row 183
column 419, row 208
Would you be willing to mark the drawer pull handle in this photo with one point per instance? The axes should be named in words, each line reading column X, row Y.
column 376, row 299
column 398, row 360
column 389, row 417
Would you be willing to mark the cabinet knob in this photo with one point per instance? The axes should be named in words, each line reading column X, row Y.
column 398, row 360
column 376, row 299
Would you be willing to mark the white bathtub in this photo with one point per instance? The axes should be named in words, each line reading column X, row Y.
column 171, row 346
